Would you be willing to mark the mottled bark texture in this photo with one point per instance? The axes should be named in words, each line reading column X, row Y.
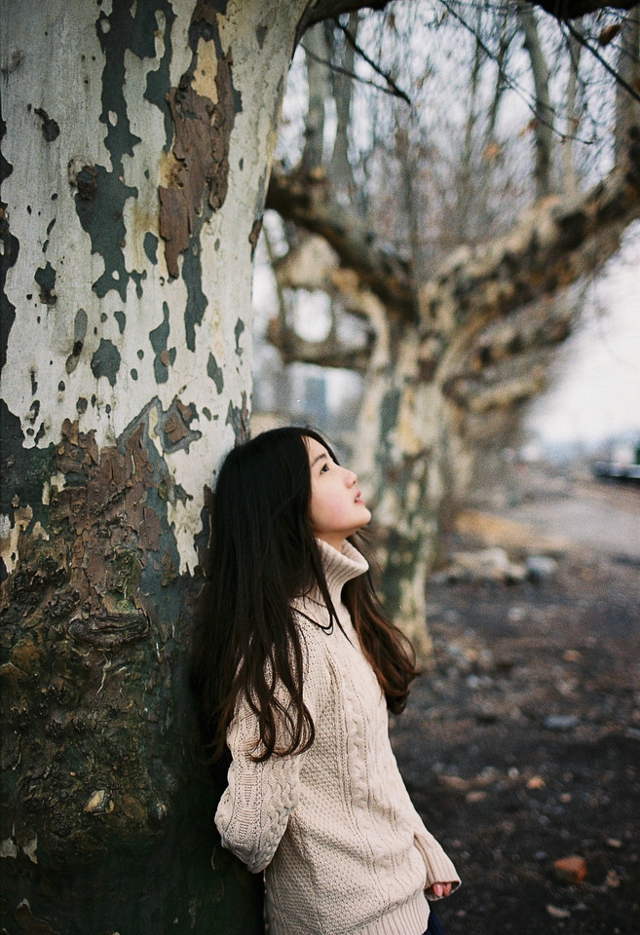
column 107, row 820
column 136, row 149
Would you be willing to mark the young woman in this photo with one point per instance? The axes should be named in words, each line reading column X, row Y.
column 295, row 667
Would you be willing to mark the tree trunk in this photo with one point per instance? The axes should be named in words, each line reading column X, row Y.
column 400, row 459
column 138, row 142
column 441, row 388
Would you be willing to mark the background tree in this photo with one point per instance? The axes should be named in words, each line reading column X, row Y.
column 478, row 207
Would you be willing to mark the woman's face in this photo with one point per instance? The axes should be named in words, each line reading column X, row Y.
column 337, row 509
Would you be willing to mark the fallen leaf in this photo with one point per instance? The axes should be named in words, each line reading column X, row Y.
column 570, row 869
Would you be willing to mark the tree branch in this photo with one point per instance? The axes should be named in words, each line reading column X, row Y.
column 509, row 358
column 392, row 89
column 509, row 82
column 328, row 353
column 605, row 64
column 308, row 201
column 553, row 245
column 319, row 10
column 340, row 169
column 545, row 324
column 513, row 382
column 572, row 119
column 543, row 108
column 319, row 90
column 398, row 92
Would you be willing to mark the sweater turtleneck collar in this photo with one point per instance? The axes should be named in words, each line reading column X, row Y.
column 339, row 567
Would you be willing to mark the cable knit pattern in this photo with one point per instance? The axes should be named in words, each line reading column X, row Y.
column 344, row 849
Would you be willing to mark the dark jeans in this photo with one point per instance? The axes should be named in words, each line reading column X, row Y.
column 434, row 927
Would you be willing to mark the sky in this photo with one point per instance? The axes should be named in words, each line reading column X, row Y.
column 596, row 390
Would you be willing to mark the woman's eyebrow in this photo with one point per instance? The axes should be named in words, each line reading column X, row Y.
column 319, row 458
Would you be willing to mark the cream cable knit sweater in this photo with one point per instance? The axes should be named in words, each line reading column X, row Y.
column 344, row 849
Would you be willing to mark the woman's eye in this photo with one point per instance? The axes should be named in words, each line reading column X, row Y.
column 324, row 468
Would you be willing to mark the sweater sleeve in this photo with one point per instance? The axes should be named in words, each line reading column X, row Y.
column 440, row 868
column 254, row 810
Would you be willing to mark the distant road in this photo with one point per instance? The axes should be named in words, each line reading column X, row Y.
column 603, row 516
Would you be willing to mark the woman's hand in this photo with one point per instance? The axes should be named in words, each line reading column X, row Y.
column 439, row 890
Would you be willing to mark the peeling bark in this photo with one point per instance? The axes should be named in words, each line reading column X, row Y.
column 559, row 240
column 200, row 169
column 104, row 788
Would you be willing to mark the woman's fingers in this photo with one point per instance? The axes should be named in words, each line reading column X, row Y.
column 440, row 889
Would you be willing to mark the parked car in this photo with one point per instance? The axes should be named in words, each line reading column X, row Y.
column 627, row 469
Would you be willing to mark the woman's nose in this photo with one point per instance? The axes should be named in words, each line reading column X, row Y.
column 351, row 477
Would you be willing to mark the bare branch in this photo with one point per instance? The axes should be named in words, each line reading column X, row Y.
column 605, row 64
column 543, row 108
column 398, row 92
column 319, row 10
column 317, row 52
column 572, row 124
column 506, row 38
column 340, row 169
column 509, row 82
column 391, row 89
column 627, row 111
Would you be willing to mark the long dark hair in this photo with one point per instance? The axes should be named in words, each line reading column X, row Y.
column 247, row 642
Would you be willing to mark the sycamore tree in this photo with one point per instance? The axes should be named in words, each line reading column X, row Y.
column 453, row 222
column 137, row 141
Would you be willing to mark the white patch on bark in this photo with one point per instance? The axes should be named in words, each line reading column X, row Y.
column 30, row 849
column 8, row 847
column 10, row 534
column 63, row 46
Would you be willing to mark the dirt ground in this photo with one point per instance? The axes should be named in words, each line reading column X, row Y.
column 522, row 746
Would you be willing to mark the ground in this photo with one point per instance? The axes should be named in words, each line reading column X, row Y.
column 522, row 745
